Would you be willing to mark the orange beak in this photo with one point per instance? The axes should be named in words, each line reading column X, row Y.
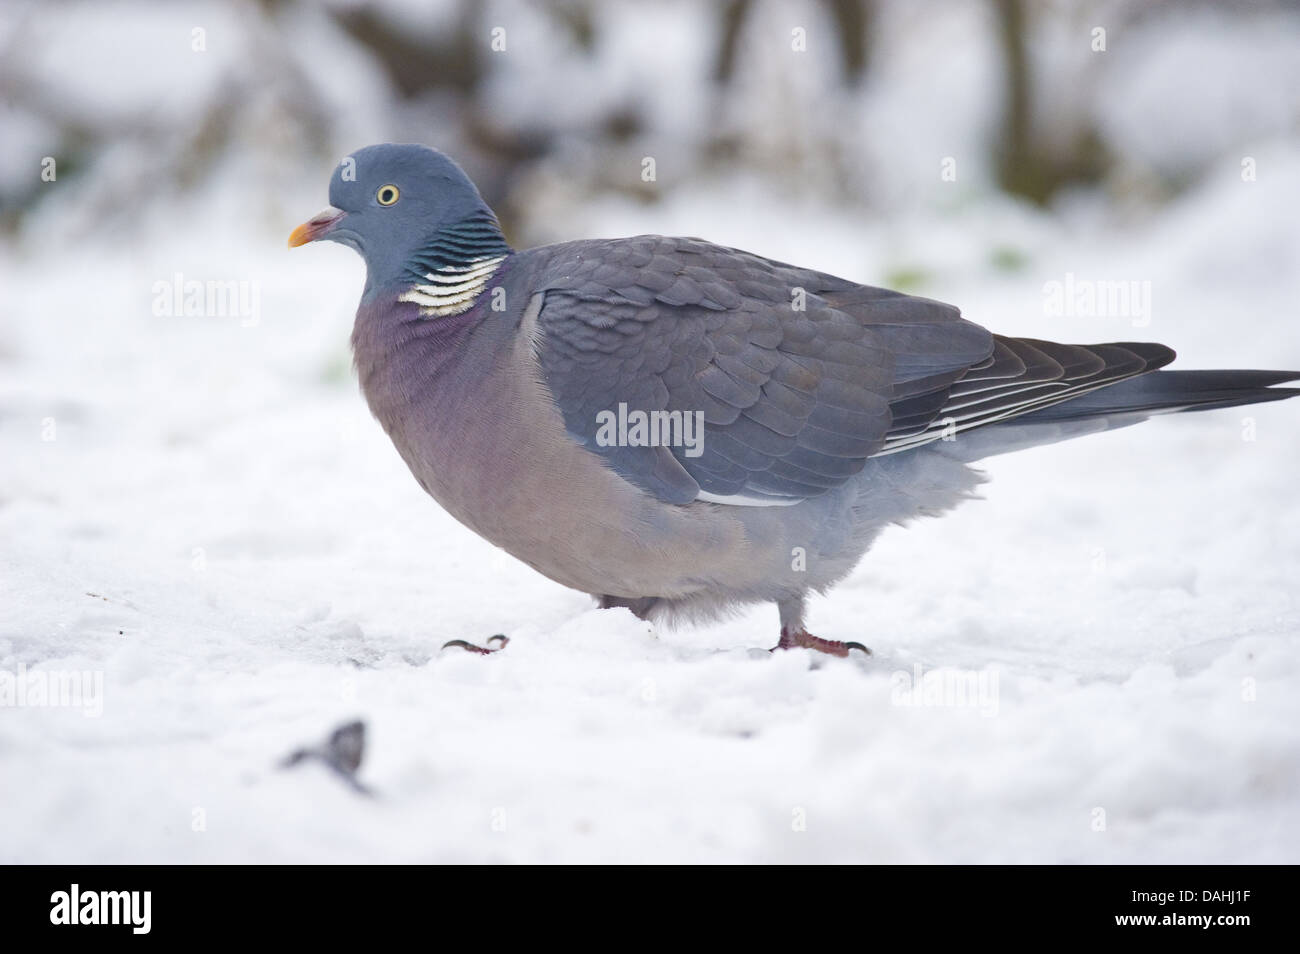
column 314, row 228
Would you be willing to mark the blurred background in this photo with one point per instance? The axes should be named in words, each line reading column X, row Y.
column 1088, row 108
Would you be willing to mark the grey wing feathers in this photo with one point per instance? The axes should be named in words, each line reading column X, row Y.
column 800, row 377
column 792, row 370
column 1022, row 376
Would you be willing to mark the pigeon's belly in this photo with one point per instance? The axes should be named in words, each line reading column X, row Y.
column 558, row 508
column 494, row 453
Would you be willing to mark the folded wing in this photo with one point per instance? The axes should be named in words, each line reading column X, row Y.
column 797, row 376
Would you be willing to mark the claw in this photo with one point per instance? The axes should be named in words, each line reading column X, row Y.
column 494, row 645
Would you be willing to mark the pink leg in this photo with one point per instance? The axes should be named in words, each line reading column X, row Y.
column 802, row 639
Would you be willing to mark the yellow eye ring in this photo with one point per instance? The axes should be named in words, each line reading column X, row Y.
column 387, row 194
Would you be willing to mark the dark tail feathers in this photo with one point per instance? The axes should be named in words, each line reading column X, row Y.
column 1167, row 392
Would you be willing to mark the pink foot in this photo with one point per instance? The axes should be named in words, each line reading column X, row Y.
column 802, row 639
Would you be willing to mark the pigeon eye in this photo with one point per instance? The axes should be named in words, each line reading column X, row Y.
column 387, row 194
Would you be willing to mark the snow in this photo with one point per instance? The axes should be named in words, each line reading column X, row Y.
column 201, row 510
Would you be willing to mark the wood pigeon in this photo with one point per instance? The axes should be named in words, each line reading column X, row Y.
column 679, row 428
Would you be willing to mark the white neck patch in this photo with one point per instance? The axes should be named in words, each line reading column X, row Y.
column 452, row 289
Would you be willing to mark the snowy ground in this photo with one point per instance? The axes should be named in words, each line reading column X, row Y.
column 201, row 510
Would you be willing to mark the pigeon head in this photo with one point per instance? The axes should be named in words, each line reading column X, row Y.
column 408, row 210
